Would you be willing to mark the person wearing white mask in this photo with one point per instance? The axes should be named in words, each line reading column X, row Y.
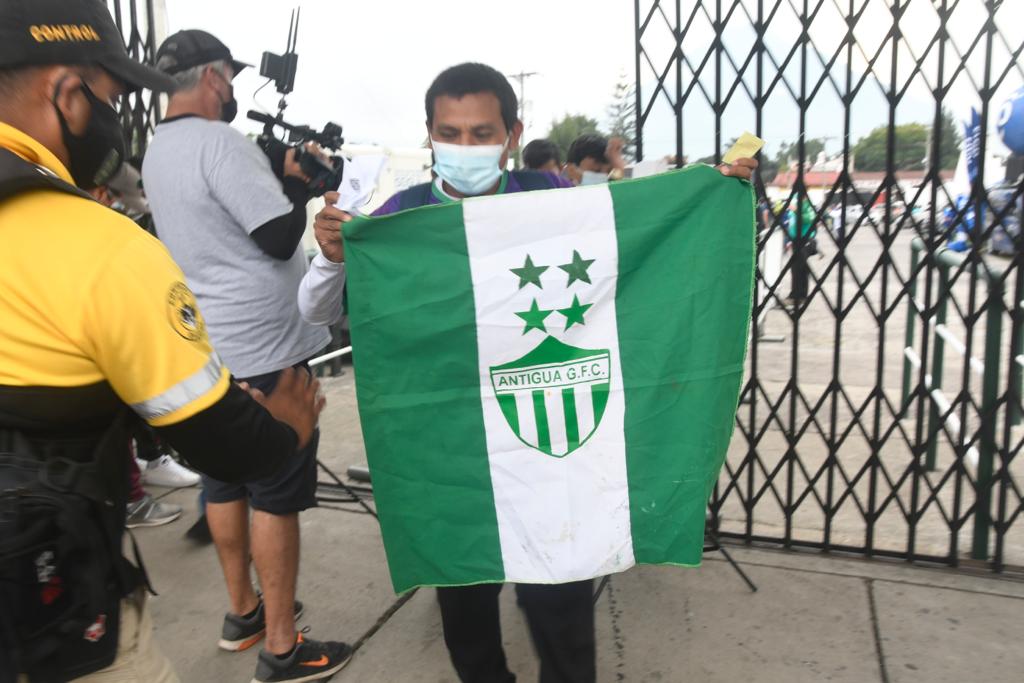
column 594, row 159
column 473, row 123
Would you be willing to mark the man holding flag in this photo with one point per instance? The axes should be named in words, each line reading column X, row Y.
column 507, row 495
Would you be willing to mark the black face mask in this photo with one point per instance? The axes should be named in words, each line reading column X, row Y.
column 229, row 109
column 97, row 154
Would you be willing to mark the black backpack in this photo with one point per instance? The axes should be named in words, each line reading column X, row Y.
column 62, row 503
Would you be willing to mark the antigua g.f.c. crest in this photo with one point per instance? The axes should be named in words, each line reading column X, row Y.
column 554, row 397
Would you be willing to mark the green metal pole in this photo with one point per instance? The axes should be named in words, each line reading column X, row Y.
column 908, row 341
column 989, row 400
column 938, row 357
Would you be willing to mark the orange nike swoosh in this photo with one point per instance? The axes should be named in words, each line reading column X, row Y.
column 319, row 662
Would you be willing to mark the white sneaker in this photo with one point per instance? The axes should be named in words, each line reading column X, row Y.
column 148, row 512
column 165, row 471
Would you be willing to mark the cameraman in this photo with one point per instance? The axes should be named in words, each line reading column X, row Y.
column 235, row 228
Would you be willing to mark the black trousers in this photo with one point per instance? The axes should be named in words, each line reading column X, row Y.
column 799, row 276
column 561, row 621
column 148, row 444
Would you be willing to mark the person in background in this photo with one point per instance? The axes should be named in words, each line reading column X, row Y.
column 127, row 196
column 764, row 215
column 542, row 155
column 836, row 224
column 802, row 246
column 595, row 159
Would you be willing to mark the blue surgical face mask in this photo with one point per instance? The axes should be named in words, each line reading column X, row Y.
column 470, row 169
column 593, row 178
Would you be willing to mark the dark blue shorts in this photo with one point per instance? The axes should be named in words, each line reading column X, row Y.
column 291, row 489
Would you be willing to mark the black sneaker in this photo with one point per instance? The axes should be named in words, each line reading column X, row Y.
column 239, row 633
column 310, row 660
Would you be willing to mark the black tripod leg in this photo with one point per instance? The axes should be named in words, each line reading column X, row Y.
column 600, row 587
column 343, row 485
column 739, row 570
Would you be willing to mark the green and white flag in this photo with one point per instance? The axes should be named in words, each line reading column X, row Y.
column 547, row 381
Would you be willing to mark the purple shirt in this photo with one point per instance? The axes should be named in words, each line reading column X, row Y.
column 512, row 185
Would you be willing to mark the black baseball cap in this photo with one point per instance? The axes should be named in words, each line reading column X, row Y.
column 42, row 32
column 186, row 49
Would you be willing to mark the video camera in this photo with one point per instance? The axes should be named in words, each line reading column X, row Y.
column 324, row 175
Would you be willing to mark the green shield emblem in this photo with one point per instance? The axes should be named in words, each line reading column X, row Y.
column 554, row 397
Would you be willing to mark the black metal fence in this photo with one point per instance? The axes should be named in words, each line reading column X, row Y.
column 881, row 408
column 140, row 112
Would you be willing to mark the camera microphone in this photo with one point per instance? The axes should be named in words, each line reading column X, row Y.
column 265, row 119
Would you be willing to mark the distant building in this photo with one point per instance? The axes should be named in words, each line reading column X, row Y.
column 823, row 175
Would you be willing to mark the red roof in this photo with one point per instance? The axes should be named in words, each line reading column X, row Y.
column 811, row 178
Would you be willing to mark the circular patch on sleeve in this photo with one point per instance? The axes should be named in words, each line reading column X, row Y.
column 183, row 313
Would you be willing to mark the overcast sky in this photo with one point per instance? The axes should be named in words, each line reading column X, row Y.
column 366, row 65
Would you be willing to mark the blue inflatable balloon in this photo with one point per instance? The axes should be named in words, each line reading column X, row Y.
column 1011, row 122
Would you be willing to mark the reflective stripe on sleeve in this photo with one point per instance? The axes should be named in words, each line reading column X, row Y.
column 183, row 393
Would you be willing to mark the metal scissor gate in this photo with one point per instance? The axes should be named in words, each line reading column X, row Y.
column 880, row 412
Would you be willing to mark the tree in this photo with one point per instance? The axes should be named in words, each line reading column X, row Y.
column 909, row 151
column 790, row 151
column 912, row 146
column 571, row 126
column 622, row 117
column 949, row 143
column 768, row 168
column 710, row 159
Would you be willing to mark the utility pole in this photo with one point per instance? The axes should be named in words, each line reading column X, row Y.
column 521, row 78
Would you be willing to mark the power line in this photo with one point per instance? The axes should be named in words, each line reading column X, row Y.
column 521, row 78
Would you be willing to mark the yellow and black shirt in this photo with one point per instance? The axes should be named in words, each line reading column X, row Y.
column 93, row 308
column 95, row 314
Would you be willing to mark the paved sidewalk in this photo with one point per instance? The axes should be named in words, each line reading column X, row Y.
column 813, row 619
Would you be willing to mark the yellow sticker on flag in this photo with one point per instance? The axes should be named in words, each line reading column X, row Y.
column 746, row 147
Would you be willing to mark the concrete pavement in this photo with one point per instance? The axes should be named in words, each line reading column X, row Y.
column 813, row 619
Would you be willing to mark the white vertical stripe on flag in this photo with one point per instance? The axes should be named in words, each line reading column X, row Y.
column 559, row 519
column 584, row 395
column 556, row 421
column 527, row 417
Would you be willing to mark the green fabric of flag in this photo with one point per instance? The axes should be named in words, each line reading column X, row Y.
column 547, row 381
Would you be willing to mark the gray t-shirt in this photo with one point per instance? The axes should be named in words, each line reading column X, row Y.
column 209, row 188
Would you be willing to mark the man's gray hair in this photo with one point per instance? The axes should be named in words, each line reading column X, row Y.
column 189, row 78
